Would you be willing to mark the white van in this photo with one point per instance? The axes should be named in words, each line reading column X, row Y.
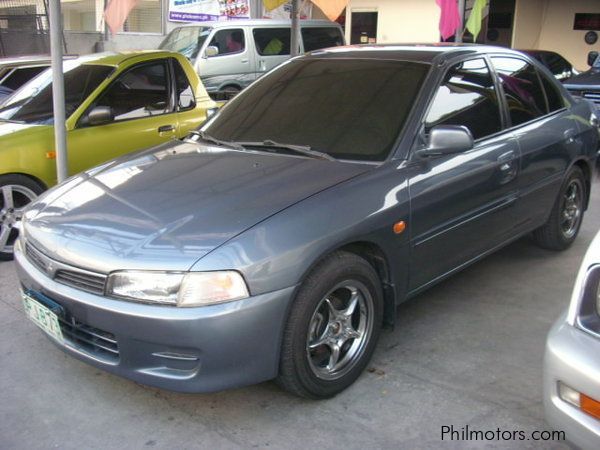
column 229, row 55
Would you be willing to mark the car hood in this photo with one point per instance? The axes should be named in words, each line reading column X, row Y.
column 165, row 208
column 590, row 78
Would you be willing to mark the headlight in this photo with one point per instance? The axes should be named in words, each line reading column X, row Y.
column 180, row 289
column 588, row 310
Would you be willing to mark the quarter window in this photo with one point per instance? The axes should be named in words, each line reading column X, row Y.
column 555, row 98
column 140, row 92
column 272, row 41
column 185, row 93
column 229, row 41
column 317, row 38
column 467, row 97
column 524, row 94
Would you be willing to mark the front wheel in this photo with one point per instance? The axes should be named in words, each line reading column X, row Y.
column 16, row 192
column 332, row 328
column 563, row 225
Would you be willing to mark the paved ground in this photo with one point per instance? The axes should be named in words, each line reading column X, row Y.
column 468, row 352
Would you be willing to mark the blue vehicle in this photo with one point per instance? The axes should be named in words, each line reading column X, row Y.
column 276, row 241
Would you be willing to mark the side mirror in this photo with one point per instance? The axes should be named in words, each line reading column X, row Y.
column 211, row 51
column 100, row 115
column 447, row 140
column 592, row 57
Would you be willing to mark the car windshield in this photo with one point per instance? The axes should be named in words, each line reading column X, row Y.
column 32, row 103
column 348, row 108
column 186, row 40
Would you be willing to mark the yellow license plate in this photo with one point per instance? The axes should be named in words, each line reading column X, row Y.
column 42, row 317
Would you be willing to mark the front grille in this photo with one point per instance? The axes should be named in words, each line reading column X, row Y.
column 92, row 340
column 594, row 96
column 64, row 274
column 84, row 281
column 35, row 258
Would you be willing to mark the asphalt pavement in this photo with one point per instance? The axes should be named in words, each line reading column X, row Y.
column 467, row 353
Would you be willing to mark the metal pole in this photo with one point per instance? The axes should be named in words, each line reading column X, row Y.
column 295, row 29
column 58, row 89
column 458, row 37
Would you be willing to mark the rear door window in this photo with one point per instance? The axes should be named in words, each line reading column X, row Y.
column 229, row 41
column 522, row 89
column 468, row 97
column 272, row 41
column 322, row 37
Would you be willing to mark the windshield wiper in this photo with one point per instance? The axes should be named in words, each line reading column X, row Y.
column 207, row 137
column 12, row 121
column 305, row 150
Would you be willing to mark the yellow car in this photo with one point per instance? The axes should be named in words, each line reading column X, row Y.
column 115, row 104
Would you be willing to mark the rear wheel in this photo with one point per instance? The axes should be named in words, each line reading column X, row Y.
column 332, row 328
column 563, row 225
column 16, row 192
column 230, row 91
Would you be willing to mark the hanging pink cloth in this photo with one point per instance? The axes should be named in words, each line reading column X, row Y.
column 449, row 19
column 116, row 13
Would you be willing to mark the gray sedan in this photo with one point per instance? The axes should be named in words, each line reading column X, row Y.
column 572, row 360
column 277, row 241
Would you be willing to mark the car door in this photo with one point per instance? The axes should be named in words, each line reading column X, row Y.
column 546, row 131
column 272, row 47
column 462, row 205
column 234, row 61
column 143, row 115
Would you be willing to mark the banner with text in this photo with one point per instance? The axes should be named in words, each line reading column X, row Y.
column 204, row 10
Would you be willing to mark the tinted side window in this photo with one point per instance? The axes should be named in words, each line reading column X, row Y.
column 185, row 93
column 140, row 92
column 467, row 97
column 22, row 75
column 555, row 98
column 229, row 41
column 316, row 38
column 557, row 64
column 272, row 41
column 524, row 94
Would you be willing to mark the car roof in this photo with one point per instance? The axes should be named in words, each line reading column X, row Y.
column 426, row 53
column 259, row 22
column 116, row 58
column 24, row 60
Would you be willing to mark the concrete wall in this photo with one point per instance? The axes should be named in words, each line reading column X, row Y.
column 399, row 20
column 548, row 25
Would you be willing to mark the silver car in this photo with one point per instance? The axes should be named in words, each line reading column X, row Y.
column 572, row 361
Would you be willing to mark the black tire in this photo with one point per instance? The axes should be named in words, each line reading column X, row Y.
column 299, row 373
column 553, row 235
column 230, row 92
column 22, row 191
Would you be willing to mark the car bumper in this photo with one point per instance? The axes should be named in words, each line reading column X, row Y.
column 200, row 349
column 572, row 357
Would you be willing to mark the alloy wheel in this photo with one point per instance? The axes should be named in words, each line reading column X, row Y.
column 339, row 330
column 572, row 208
column 13, row 200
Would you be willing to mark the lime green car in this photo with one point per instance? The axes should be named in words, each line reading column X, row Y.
column 115, row 104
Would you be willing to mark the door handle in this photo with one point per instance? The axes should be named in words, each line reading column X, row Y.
column 166, row 128
column 244, row 61
column 506, row 158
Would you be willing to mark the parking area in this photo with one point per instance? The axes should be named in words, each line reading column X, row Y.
column 466, row 353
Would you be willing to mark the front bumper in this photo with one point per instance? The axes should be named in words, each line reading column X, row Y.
column 202, row 349
column 573, row 358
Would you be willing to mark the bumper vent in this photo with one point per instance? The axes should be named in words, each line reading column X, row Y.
column 93, row 341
